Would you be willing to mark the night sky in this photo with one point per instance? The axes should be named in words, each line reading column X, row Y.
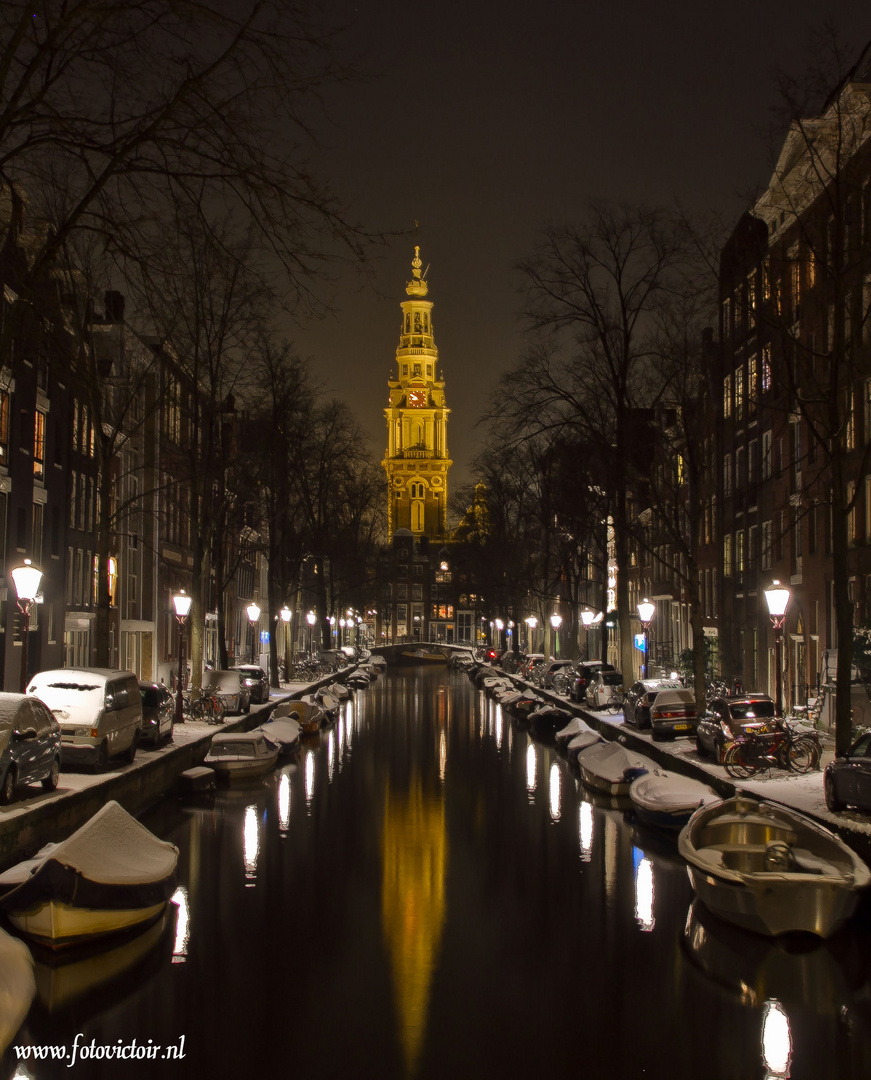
column 485, row 122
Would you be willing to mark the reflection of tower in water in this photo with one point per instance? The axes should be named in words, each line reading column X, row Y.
column 414, row 857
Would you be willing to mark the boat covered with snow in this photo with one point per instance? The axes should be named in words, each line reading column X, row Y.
column 111, row 875
column 668, row 800
column 610, row 768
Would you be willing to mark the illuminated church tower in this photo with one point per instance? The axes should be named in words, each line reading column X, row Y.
column 417, row 461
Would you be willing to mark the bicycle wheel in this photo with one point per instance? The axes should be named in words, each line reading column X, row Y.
column 219, row 710
column 803, row 755
column 614, row 706
column 198, row 709
column 736, row 763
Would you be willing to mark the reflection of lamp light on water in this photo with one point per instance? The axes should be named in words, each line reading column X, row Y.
column 585, row 831
column 283, row 803
column 554, row 792
column 530, row 768
column 644, row 894
column 250, row 844
column 776, row 1041
column 309, row 778
column 182, row 925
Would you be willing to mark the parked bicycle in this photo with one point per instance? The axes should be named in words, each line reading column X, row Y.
column 775, row 744
column 209, row 707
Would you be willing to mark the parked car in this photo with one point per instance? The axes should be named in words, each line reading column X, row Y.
column 847, row 779
column 585, row 671
column 255, row 679
column 99, row 711
column 509, row 661
column 726, row 718
column 603, row 687
column 673, row 712
column 158, row 712
column 636, row 703
column 30, row 745
column 231, row 686
column 551, row 668
column 530, row 662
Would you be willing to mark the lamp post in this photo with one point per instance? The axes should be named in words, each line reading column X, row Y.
column 286, row 615
column 311, row 619
column 556, row 623
column 341, row 631
column 531, row 622
column 253, row 617
column 587, row 618
column 646, row 611
column 777, row 598
column 182, row 604
column 27, row 579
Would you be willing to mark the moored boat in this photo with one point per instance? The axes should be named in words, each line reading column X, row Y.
column 307, row 712
column 284, row 732
column 574, row 727
column 668, row 800
column 17, row 987
column 771, row 869
column 238, row 755
column 109, row 876
column 610, row 768
column 582, row 741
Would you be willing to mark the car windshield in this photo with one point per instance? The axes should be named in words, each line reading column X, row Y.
column 751, row 710
column 612, row 678
column 150, row 696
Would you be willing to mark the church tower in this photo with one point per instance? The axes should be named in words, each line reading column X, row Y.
column 416, row 461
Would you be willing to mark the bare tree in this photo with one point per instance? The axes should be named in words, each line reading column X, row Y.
column 111, row 112
column 591, row 288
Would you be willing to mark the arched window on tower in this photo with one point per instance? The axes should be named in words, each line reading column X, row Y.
column 408, row 324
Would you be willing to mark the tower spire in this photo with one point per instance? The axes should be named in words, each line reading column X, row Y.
column 417, row 286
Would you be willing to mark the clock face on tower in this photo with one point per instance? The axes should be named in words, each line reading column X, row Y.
column 416, row 399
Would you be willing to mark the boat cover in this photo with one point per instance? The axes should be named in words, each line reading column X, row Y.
column 610, row 761
column 573, row 727
column 284, row 731
column 665, row 791
column 112, row 861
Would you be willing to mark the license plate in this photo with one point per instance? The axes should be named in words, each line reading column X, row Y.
column 681, row 727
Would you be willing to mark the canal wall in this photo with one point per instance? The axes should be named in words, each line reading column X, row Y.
column 27, row 826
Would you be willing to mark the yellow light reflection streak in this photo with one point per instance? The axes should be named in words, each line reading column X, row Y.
column 414, row 856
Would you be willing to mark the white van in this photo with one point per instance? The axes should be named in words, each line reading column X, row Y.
column 99, row 711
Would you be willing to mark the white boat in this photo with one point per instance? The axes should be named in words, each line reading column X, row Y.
column 238, row 755
column 668, row 800
column 285, row 732
column 574, row 727
column 582, row 741
column 17, row 987
column 327, row 701
column 378, row 662
column 422, row 656
column 610, row 768
column 109, row 876
column 771, row 869
column 305, row 711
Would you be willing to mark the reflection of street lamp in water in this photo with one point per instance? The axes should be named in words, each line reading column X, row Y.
column 26, row 579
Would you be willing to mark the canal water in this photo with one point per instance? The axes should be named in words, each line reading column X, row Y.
column 428, row 892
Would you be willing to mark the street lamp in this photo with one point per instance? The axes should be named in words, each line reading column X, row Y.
column 341, row 631
column 531, row 622
column 311, row 619
column 556, row 622
column 646, row 611
column 253, row 617
column 286, row 615
column 26, row 579
column 182, row 604
column 777, row 598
